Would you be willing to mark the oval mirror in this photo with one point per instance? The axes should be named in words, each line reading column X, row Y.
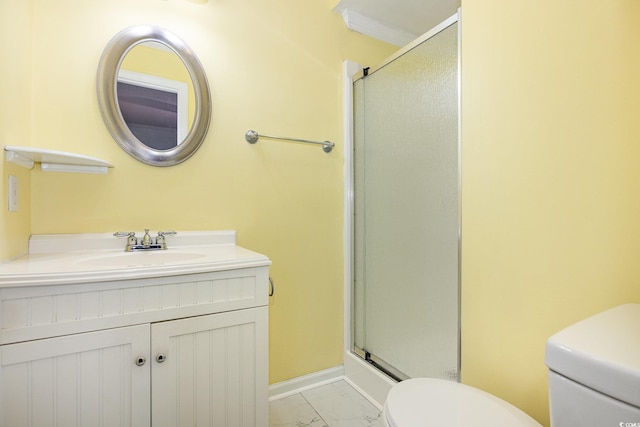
column 153, row 95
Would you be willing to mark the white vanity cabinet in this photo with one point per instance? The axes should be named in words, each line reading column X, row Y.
column 179, row 350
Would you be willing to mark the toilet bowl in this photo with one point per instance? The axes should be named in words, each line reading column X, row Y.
column 429, row 402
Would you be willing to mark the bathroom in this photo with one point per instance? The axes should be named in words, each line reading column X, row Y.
column 549, row 161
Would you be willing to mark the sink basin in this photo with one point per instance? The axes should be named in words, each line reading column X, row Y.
column 140, row 259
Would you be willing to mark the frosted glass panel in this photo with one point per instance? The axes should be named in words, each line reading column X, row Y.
column 406, row 210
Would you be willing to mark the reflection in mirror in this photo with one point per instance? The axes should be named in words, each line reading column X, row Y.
column 151, row 111
column 153, row 95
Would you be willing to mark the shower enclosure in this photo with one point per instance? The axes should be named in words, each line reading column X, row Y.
column 406, row 223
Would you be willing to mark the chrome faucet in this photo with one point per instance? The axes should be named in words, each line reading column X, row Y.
column 147, row 243
column 146, row 239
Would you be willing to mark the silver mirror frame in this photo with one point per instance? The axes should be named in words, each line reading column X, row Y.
column 106, row 85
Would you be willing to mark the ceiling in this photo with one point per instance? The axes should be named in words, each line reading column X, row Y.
column 395, row 21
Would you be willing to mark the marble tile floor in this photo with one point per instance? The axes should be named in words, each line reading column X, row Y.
column 333, row 405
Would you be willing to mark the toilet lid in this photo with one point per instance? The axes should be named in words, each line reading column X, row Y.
column 426, row 402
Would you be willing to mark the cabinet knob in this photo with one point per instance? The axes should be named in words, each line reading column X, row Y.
column 161, row 357
column 141, row 360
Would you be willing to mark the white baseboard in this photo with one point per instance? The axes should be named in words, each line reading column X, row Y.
column 368, row 381
column 305, row 382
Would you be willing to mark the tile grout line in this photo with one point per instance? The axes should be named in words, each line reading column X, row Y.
column 322, row 407
column 314, row 409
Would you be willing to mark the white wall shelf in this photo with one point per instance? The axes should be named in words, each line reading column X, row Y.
column 55, row 161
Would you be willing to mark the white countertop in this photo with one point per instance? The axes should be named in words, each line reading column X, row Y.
column 84, row 258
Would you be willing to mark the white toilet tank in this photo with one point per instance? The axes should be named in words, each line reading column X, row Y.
column 594, row 371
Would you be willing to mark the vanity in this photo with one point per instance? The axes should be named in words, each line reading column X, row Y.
column 91, row 335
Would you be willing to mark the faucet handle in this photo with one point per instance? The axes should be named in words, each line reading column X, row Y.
column 132, row 240
column 161, row 234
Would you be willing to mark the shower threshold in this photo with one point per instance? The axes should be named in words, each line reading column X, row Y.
column 380, row 364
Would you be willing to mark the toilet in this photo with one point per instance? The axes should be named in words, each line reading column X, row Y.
column 594, row 381
column 594, row 371
column 429, row 402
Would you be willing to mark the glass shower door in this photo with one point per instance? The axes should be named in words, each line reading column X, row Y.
column 406, row 223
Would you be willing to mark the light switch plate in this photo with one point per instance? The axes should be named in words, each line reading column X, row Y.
column 13, row 193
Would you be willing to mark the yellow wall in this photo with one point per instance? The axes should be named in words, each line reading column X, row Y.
column 550, row 180
column 15, row 121
column 275, row 67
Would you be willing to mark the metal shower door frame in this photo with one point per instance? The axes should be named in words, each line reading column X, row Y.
column 362, row 353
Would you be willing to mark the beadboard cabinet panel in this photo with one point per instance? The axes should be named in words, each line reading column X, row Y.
column 214, row 370
column 78, row 380
column 28, row 313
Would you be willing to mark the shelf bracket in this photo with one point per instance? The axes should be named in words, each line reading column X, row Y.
column 19, row 160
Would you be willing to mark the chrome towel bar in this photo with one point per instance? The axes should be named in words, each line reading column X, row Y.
column 252, row 137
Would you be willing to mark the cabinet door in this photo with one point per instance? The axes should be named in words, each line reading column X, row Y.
column 214, row 372
column 77, row 380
